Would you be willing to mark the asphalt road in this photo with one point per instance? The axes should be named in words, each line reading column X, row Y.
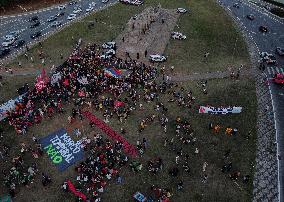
column 21, row 22
column 267, row 42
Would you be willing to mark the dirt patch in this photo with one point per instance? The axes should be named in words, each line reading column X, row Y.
column 149, row 31
column 17, row 7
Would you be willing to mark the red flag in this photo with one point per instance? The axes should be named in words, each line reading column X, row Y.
column 118, row 104
column 41, row 80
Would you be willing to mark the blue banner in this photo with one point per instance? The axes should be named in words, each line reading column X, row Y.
column 61, row 149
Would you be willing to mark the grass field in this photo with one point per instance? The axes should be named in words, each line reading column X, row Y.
column 204, row 34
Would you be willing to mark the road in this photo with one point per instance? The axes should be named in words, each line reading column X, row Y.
column 21, row 22
column 267, row 42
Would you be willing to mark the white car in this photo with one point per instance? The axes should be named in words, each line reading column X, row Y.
column 181, row 10
column 104, row 1
column 92, row 4
column 89, row 9
column 56, row 24
column 178, row 35
column 77, row 10
column 8, row 42
column 109, row 45
column 157, row 58
column 72, row 16
column 8, row 37
column 61, row 7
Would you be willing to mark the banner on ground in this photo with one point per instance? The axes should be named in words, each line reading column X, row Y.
column 9, row 106
column 61, row 149
column 220, row 110
column 128, row 148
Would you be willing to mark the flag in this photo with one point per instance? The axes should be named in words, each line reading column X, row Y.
column 118, row 103
column 112, row 72
column 41, row 81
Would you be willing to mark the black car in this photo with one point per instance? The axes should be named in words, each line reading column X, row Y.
column 280, row 51
column 4, row 52
column 236, row 5
column 33, row 19
column 250, row 17
column 20, row 43
column 263, row 29
column 36, row 24
column 36, row 35
column 60, row 14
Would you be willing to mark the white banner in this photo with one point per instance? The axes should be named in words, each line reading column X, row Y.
column 8, row 106
column 220, row 110
column 55, row 78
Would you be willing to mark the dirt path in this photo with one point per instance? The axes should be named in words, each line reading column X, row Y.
column 149, row 31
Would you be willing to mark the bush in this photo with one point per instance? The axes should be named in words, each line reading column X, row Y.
column 277, row 11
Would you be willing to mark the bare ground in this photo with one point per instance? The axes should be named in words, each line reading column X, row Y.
column 150, row 30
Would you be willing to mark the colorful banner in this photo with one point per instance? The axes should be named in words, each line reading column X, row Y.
column 112, row 72
column 61, row 149
column 9, row 106
column 220, row 110
column 128, row 148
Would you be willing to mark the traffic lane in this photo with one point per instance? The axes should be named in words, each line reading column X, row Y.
column 45, row 27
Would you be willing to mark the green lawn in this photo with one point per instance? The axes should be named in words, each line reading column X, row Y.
column 208, row 29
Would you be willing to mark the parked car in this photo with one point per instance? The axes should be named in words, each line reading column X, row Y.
column 157, row 58
column 8, row 42
column 280, row 51
column 109, row 45
column 60, row 14
column 8, row 37
column 61, row 7
column 92, row 4
column 236, row 5
column 36, row 35
column 89, row 9
column 72, row 2
column 15, row 34
column 77, row 10
column 36, row 24
column 250, row 17
column 263, row 29
column 33, row 19
column 178, row 35
column 72, row 16
column 268, row 58
column 181, row 10
column 56, row 24
column 104, row 1
column 51, row 18
column 20, row 43
column 4, row 52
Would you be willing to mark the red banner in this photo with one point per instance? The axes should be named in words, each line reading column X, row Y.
column 75, row 192
column 128, row 148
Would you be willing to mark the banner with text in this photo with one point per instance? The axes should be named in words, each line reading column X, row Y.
column 220, row 110
column 61, row 149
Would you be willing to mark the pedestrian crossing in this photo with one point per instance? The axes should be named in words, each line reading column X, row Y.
column 275, row 70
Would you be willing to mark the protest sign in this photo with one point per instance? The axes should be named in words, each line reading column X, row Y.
column 220, row 110
column 61, row 149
